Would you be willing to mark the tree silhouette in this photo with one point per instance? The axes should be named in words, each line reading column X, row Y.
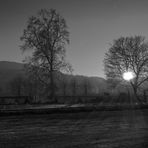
column 16, row 85
column 74, row 86
column 128, row 54
column 47, row 35
column 86, row 86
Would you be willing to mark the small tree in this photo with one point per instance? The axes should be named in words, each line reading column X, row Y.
column 128, row 54
column 17, row 85
column 46, row 34
column 86, row 86
column 64, row 85
column 74, row 86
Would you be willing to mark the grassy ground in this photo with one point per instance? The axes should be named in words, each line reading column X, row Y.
column 103, row 129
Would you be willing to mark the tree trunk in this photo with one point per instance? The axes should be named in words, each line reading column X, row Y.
column 136, row 95
column 144, row 96
column 52, row 87
column 74, row 87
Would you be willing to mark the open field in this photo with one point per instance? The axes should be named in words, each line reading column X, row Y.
column 102, row 129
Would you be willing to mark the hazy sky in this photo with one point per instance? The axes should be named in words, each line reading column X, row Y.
column 93, row 25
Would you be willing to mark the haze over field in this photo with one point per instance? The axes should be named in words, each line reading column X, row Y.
column 11, row 70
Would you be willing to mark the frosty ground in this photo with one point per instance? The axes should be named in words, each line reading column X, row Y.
column 97, row 129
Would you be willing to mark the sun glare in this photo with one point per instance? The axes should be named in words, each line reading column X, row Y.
column 128, row 76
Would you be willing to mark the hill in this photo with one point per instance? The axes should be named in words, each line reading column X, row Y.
column 6, row 65
column 10, row 70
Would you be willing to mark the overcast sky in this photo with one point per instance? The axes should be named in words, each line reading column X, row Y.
column 93, row 25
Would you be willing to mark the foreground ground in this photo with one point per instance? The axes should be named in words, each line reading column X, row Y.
column 102, row 129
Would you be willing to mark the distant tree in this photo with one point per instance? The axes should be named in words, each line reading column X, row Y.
column 64, row 85
column 112, row 84
column 47, row 35
column 128, row 54
column 74, row 86
column 16, row 86
column 31, row 86
column 86, row 86
column 64, row 79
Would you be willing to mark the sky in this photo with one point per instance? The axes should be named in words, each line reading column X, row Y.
column 93, row 25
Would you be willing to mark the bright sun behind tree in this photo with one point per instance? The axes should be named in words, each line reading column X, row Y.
column 128, row 75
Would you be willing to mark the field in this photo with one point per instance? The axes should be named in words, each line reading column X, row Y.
column 102, row 129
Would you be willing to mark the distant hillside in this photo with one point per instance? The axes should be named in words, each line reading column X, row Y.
column 9, row 70
column 6, row 65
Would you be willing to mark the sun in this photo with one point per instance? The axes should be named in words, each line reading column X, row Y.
column 128, row 75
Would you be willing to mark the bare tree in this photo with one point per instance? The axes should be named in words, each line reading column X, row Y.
column 47, row 35
column 128, row 54
column 74, row 86
column 64, row 85
column 86, row 86
column 17, row 85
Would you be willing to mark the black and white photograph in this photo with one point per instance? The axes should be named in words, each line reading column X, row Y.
column 73, row 73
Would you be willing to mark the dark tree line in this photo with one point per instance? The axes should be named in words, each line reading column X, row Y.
column 30, row 86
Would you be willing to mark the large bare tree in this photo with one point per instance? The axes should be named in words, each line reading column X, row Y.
column 128, row 54
column 46, row 35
